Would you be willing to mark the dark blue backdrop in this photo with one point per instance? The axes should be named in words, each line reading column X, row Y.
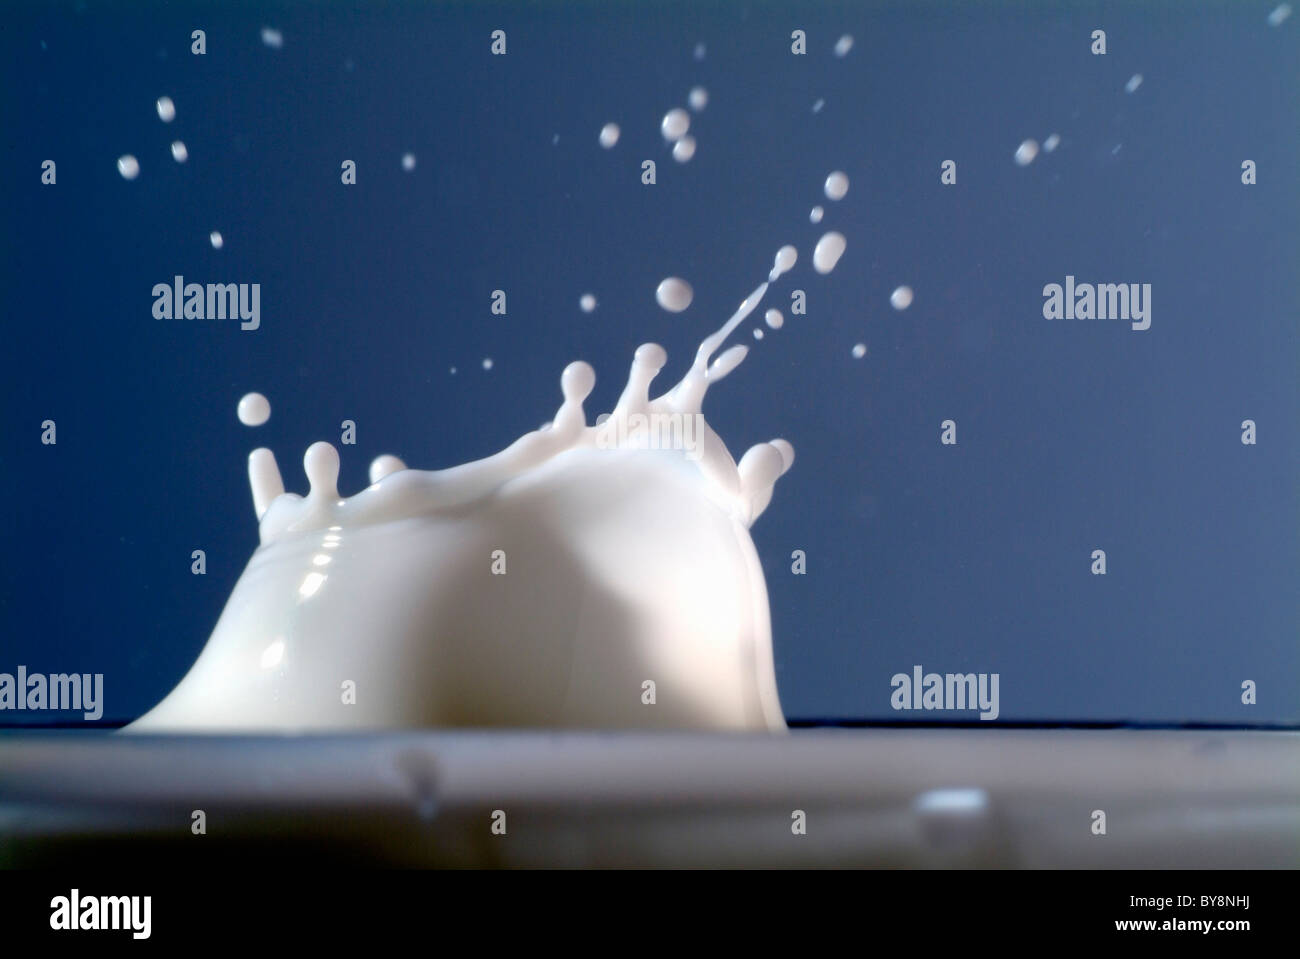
column 1072, row 435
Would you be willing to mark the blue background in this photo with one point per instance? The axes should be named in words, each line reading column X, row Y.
column 1072, row 435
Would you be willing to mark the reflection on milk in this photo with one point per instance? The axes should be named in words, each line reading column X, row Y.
column 585, row 576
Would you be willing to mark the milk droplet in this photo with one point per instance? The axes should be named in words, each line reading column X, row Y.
column 254, row 409
column 684, row 149
column 859, row 351
column 698, row 98
column 453, row 371
column 587, row 302
column 1026, row 152
column 216, row 240
column 609, row 134
column 816, row 214
column 408, row 162
column 774, row 319
column 675, row 124
column 166, row 109
column 1051, row 143
column 901, row 298
column 385, row 465
column 487, row 362
column 272, row 38
column 758, row 333
column 785, row 260
column 321, row 464
column 700, row 51
column 1279, row 15
column 817, row 107
column 674, row 294
column 837, row 185
column 179, row 153
column 128, row 166
column 828, row 252
column 1134, row 82
column 843, row 45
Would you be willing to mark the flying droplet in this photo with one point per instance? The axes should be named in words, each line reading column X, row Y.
column 837, row 185
column 758, row 333
column 487, row 362
column 698, row 98
column 828, row 251
column 587, row 302
column 675, row 124
column 166, row 109
column 1134, row 82
column 272, row 38
column 700, row 51
column 674, row 294
column 179, row 153
column 901, row 298
column 859, row 350
column 216, row 239
column 1279, row 15
column 843, row 45
column 609, row 135
column 408, row 162
column 1051, row 143
column 785, row 260
column 128, row 166
column 774, row 319
column 817, row 107
column 816, row 214
column 254, row 409
column 684, row 149
column 1026, row 152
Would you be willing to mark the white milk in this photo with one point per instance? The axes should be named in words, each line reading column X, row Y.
column 545, row 585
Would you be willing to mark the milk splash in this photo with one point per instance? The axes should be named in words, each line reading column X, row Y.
column 585, row 576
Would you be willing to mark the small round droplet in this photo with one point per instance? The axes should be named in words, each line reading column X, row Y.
column 700, row 51
column 385, row 465
column 774, row 319
column 128, row 166
column 674, row 294
column 166, row 109
column 837, row 185
column 684, row 149
column 859, row 351
column 817, row 107
column 179, row 153
column 843, row 45
column 272, row 38
column 675, row 124
column 453, row 371
column 216, row 239
column 487, row 362
column 1134, row 82
column 698, row 98
column 609, row 135
column 828, row 251
column 816, row 214
column 1026, row 152
column 408, row 162
column 254, row 409
column 758, row 333
column 901, row 298
column 587, row 302
column 1051, row 143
